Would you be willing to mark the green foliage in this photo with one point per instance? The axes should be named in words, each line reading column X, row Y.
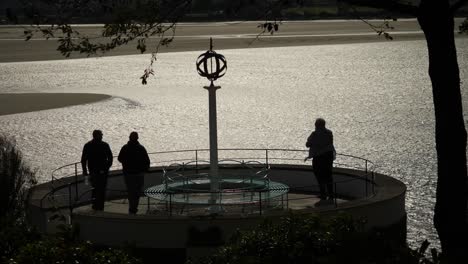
column 14, row 234
column 65, row 247
column 15, row 179
column 20, row 244
column 54, row 251
column 311, row 240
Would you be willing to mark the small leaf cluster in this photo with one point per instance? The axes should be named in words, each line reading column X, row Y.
column 383, row 28
column 270, row 27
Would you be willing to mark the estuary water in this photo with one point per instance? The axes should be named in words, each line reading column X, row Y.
column 376, row 97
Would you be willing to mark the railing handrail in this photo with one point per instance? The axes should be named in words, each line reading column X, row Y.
column 223, row 149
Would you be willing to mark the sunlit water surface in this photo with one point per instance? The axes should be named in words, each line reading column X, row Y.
column 376, row 98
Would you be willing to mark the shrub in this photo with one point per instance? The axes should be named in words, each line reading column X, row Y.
column 14, row 234
column 15, row 179
column 299, row 239
column 66, row 248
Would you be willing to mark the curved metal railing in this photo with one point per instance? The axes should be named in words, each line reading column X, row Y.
column 200, row 157
column 74, row 169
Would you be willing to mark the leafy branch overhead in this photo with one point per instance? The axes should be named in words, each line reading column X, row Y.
column 144, row 21
column 151, row 24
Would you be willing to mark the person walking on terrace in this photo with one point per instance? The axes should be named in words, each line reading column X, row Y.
column 135, row 163
column 97, row 159
column 322, row 152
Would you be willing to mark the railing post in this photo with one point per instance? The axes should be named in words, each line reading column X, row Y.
column 334, row 195
column 366, row 166
column 282, row 201
column 170, row 204
column 373, row 183
column 260, row 201
column 148, row 205
column 196, row 160
column 367, row 184
column 70, row 205
column 220, row 197
column 266, row 157
column 76, row 181
column 166, row 204
column 184, row 178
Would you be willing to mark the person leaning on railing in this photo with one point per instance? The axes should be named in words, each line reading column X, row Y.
column 322, row 152
column 135, row 162
column 97, row 159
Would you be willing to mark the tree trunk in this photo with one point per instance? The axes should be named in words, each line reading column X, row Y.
column 450, row 213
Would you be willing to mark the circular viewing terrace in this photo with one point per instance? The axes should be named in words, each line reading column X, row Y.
column 175, row 209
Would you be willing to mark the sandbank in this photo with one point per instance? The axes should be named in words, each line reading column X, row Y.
column 14, row 103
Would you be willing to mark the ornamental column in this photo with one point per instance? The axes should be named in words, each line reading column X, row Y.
column 212, row 66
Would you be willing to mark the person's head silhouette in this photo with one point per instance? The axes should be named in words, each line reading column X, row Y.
column 320, row 123
column 97, row 135
column 133, row 136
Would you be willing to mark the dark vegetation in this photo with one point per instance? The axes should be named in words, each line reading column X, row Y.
column 310, row 239
column 15, row 178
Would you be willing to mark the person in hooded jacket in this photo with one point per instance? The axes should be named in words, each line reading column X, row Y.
column 135, row 163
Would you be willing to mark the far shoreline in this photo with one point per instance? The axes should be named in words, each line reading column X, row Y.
column 226, row 35
column 16, row 103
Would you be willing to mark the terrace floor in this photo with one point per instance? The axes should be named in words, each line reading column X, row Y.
column 295, row 202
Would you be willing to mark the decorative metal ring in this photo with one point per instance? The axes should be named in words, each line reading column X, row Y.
column 211, row 65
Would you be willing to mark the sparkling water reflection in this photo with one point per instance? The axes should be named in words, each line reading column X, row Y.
column 376, row 98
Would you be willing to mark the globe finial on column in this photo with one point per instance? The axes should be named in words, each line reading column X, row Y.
column 211, row 65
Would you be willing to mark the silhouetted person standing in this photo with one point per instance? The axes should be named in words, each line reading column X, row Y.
column 97, row 159
column 322, row 152
column 135, row 163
